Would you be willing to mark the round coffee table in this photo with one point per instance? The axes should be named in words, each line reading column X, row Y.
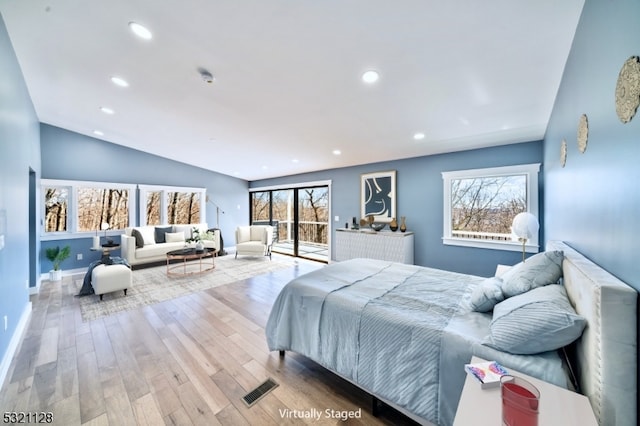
column 183, row 269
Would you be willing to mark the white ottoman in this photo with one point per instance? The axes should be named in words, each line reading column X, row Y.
column 108, row 278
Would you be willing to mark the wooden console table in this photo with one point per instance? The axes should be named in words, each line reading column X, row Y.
column 383, row 245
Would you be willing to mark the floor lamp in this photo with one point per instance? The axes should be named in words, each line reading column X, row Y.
column 525, row 226
column 218, row 210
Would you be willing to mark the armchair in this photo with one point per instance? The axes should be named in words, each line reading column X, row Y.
column 254, row 240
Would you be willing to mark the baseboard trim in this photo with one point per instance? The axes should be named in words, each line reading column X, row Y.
column 14, row 344
column 65, row 273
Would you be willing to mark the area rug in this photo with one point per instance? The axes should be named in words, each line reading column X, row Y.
column 152, row 285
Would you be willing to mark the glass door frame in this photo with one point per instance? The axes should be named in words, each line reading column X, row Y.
column 295, row 188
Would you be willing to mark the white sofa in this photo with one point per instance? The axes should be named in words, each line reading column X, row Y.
column 254, row 240
column 152, row 248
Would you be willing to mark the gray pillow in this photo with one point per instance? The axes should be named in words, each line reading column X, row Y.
column 539, row 270
column 138, row 236
column 537, row 321
column 160, row 231
column 486, row 294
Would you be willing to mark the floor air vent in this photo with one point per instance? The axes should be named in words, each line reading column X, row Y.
column 255, row 395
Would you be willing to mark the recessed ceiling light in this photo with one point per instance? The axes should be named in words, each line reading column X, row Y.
column 370, row 76
column 264, row 167
column 140, row 30
column 337, row 152
column 295, row 160
column 107, row 110
column 98, row 132
column 119, row 81
column 418, row 136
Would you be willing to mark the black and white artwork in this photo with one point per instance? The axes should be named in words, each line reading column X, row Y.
column 378, row 195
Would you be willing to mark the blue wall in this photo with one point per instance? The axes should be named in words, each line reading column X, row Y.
column 419, row 189
column 593, row 203
column 71, row 156
column 19, row 153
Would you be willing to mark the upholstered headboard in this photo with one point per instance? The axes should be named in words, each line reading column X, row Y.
column 606, row 354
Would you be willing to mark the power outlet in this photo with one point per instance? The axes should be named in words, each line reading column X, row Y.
column 79, row 256
column 6, row 322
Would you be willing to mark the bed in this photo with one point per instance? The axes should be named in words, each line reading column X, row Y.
column 403, row 333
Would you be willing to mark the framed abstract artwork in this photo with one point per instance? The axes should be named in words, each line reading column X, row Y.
column 378, row 195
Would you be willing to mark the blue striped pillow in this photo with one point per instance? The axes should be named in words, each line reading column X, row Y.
column 486, row 294
column 539, row 270
column 537, row 321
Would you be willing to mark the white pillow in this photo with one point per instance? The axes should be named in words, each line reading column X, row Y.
column 148, row 234
column 174, row 237
column 185, row 229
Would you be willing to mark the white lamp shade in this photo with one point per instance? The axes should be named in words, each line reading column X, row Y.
column 525, row 225
column 105, row 226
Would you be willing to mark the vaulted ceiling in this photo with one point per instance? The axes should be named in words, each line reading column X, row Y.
column 287, row 89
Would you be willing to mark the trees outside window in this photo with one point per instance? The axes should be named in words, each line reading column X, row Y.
column 183, row 207
column 56, row 205
column 171, row 205
column 480, row 204
column 154, row 208
column 102, row 205
column 75, row 207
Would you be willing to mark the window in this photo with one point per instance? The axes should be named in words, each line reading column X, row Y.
column 102, row 205
column 480, row 204
column 154, row 208
column 175, row 205
column 260, row 206
column 56, row 204
column 183, row 207
column 75, row 207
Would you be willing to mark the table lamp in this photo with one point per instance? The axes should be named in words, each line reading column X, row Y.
column 105, row 227
column 525, row 226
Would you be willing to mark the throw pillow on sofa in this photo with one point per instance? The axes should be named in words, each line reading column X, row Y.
column 160, row 231
column 147, row 233
column 138, row 236
column 185, row 229
column 174, row 237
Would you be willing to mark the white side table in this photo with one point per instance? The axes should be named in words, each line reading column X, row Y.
column 558, row 406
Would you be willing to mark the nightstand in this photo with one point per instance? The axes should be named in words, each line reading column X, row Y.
column 558, row 406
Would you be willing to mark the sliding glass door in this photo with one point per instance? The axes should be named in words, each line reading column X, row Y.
column 300, row 217
column 313, row 223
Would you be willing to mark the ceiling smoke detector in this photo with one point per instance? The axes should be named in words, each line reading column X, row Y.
column 207, row 77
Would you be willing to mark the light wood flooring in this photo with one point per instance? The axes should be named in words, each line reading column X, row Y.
column 187, row 361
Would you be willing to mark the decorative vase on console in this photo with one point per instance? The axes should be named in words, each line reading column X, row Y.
column 393, row 225
column 403, row 225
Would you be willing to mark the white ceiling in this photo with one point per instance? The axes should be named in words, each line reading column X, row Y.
column 287, row 88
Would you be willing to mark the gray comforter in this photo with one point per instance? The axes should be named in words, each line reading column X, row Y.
column 401, row 332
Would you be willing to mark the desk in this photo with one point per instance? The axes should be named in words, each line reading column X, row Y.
column 558, row 406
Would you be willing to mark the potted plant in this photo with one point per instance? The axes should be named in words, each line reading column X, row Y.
column 56, row 255
column 198, row 238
